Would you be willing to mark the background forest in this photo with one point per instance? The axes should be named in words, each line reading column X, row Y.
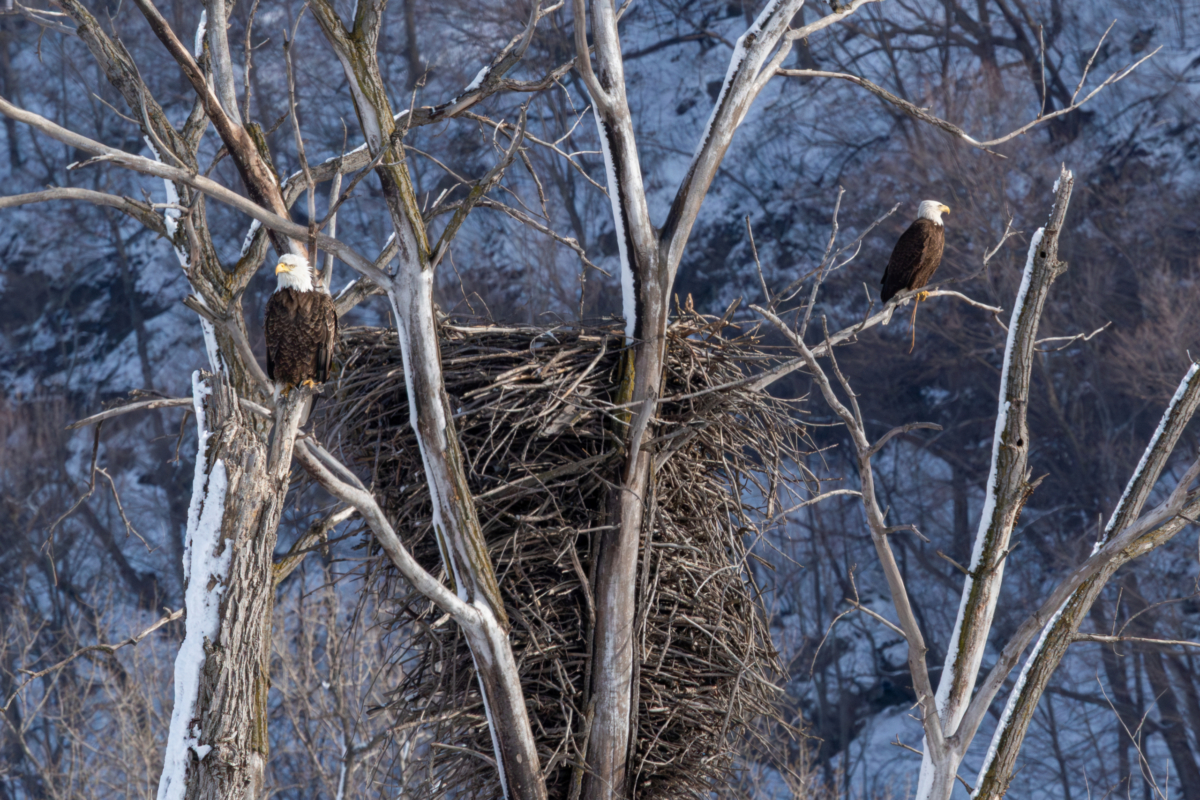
column 90, row 312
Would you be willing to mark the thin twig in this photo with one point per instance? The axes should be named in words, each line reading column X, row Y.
column 757, row 264
column 108, row 649
column 812, row 297
column 954, row 130
column 1103, row 639
column 164, row 402
column 912, row 426
column 303, row 157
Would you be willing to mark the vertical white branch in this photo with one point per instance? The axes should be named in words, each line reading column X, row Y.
column 1060, row 631
column 456, row 522
column 205, row 569
column 171, row 216
column 766, row 42
column 993, row 506
column 621, row 225
column 643, row 289
column 1007, row 491
column 335, row 190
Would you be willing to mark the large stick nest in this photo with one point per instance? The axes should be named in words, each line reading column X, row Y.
column 533, row 409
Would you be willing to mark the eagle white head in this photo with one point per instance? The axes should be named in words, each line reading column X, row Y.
column 932, row 210
column 293, row 272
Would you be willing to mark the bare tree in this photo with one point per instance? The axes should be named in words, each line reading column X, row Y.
column 218, row 740
column 951, row 716
column 650, row 257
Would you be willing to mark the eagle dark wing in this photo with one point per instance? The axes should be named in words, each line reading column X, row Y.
column 301, row 329
column 325, row 326
column 915, row 258
column 276, row 322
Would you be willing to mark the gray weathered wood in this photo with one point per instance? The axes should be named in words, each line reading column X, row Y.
column 456, row 522
column 649, row 259
column 1007, row 490
column 1046, row 656
column 231, row 707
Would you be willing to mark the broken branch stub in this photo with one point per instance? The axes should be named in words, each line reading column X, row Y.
column 1006, row 491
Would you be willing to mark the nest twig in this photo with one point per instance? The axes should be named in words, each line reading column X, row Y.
column 532, row 409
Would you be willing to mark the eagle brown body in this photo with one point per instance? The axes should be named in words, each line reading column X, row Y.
column 915, row 258
column 301, row 328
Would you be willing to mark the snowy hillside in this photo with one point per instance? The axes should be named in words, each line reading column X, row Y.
column 91, row 310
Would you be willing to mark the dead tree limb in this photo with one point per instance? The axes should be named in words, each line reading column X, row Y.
column 924, row 116
column 455, row 518
column 107, row 649
column 954, row 718
column 852, row 419
column 1063, row 628
column 1007, row 489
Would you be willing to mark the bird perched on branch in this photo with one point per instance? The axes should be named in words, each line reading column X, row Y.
column 301, row 328
column 916, row 256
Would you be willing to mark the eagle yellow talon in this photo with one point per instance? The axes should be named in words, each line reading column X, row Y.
column 309, row 383
column 922, row 297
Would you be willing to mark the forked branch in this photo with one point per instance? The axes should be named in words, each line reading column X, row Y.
column 315, row 461
column 1065, row 619
column 107, row 649
column 924, row 116
column 209, row 187
column 879, row 528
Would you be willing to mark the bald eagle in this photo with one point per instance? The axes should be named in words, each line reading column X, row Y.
column 916, row 255
column 301, row 327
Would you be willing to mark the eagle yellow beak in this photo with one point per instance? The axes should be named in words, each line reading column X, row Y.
column 282, row 267
column 945, row 209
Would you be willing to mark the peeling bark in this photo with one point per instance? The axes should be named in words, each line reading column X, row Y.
column 220, row 753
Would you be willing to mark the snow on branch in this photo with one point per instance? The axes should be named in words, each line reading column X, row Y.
column 201, row 30
column 206, row 570
column 1061, row 630
column 1162, row 444
column 758, row 54
column 490, row 76
column 1006, row 488
column 621, row 221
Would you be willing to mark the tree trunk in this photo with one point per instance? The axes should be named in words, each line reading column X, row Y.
column 1059, row 633
column 455, row 520
column 1171, row 724
column 217, row 747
